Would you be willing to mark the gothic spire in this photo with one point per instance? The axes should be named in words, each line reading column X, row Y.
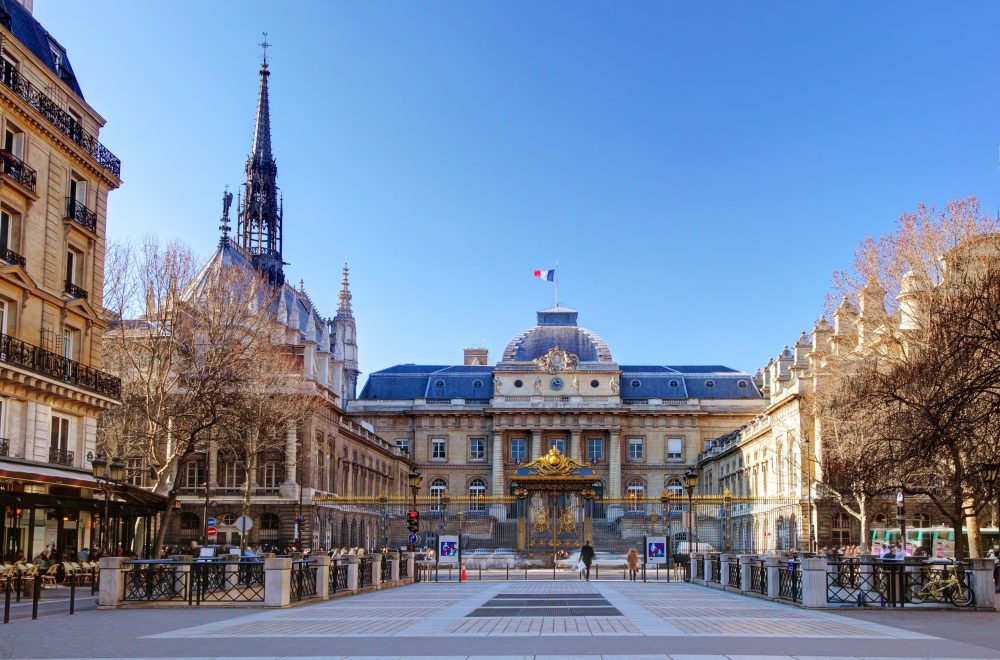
column 344, row 308
column 260, row 216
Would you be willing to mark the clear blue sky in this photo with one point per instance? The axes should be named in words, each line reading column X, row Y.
column 698, row 169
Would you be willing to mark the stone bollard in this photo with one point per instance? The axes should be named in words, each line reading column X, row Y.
column 411, row 565
column 322, row 576
column 773, row 565
column 352, row 573
column 744, row 585
column 277, row 582
column 694, row 559
column 983, row 585
column 706, row 563
column 112, row 582
column 814, row 582
column 394, row 572
column 377, row 559
column 724, row 561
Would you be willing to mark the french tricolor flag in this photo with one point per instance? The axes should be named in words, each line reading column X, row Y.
column 547, row 275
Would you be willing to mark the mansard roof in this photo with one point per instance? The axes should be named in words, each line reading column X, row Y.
column 37, row 39
column 412, row 381
column 556, row 328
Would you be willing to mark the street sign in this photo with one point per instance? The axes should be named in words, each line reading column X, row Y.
column 412, row 538
column 656, row 550
column 448, row 549
column 211, row 532
column 244, row 524
column 899, row 498
column 211, row 522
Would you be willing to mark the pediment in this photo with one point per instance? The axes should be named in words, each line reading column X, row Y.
column 18, row 276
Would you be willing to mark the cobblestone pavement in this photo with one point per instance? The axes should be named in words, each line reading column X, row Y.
column 676, row 620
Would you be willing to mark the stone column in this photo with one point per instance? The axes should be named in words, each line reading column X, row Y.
column 536, row 444
column 498, row 481
column 706, row 563
column 352, row 573
column 112, row 582
column 744, row 585
column 724, row 570
column 377, row 570
column 575, row 450
column 983, row 585
column 814, row 582
column 322, row 575
column 694, row 558
column 614, row 466
column 277, row 582
column 773, row 571
column 394, row 557
column 290, row 487
column 411, row 565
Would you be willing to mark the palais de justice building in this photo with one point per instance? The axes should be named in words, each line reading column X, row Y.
column 467, row 427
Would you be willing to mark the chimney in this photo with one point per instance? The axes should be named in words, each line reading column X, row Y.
column 477, row 357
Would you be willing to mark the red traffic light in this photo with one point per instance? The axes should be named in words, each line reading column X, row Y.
column 413, row 515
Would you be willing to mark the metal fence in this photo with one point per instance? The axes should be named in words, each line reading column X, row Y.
column 303, row 580
column 716, row 565
column 734, row 573
column 365, row 572
column 338, row 576
column 194, row 582
column 790, row 582
column 758, row 576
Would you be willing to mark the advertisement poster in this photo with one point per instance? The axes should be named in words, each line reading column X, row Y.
column 656, row 550
column 448, row 549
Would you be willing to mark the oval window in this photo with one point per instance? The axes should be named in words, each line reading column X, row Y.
column 518, row 383
column 635, row 383
column 674, row 383
column 709, row 383
column 595, row 383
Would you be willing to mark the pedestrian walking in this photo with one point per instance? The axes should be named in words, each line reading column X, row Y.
column 587, row 557
column 633, row 563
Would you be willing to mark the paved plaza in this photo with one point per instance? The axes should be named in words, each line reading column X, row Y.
column 512, row 620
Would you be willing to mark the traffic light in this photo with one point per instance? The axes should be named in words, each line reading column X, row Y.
column 413, row 522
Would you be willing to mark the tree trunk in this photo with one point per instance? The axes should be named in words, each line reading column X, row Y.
column 972, row 525
column 165, row 521
column 956, row 526
column 863, row 517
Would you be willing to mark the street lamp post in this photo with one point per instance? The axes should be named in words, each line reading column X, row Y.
column 992, row 474
column 690, row 481
column 108, row 476
column 204, row 518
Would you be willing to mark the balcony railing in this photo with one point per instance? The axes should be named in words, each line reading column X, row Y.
column 11, row 257
column 61, row 119
column 75, row 291
column 76, row 211
column 60, row 456
column 16, row 170
column 4, row 447
column 33, row 358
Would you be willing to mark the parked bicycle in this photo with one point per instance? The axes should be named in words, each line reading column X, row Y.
column 945, row 585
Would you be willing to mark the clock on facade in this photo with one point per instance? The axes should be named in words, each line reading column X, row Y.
column 556, row 383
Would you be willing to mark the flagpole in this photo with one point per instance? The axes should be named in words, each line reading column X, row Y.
column 557, row 282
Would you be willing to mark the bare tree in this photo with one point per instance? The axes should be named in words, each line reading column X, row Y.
column 181, row 342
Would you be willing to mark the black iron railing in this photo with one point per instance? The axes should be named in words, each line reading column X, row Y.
column 60, row 456
column 303, row 580
column 699, row 568
column 404, row 568
column 758, row 576
column 338, row 575
column 790, row 582
column 75, row 291
column 365, row 572
column 61, row 119
column 734, row 574
column 11, row 257
column 194, row 582
column 22, row 354
column 76, row 211
column 386, row 571
column 15, row 168
column 267, row 491
column 4, row 447
column 716, row 575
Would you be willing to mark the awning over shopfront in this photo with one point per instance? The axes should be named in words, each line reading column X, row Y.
column 31, row 473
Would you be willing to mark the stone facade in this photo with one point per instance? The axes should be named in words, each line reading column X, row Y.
column 467, row 427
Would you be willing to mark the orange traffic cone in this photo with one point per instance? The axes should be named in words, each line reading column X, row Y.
column 461, row 577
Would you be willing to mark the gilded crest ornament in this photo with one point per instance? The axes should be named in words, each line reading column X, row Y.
column 554, row 463
column 557, row 360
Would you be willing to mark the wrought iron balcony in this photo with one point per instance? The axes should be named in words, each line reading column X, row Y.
column 60, row 456
column 11, row 257
column 76, row 211
column 15, row 168
column 33, row 358
column 4, row 447
column 75, row 291
column 59, row 118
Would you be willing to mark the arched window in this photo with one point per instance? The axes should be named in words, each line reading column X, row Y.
column 674, row 486
column 477, row 489
column 272, row 474
column 269, row 525
column 228, row 519
column 635, row 491
column 438, row 488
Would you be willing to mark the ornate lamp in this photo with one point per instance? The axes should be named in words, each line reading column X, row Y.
column 99, row 467
column 690, row 481
column 414, row 480
column 117, row 469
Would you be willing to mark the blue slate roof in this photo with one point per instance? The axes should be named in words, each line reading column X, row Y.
column 36, row 38
column 556, row 328
column 413, row 381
